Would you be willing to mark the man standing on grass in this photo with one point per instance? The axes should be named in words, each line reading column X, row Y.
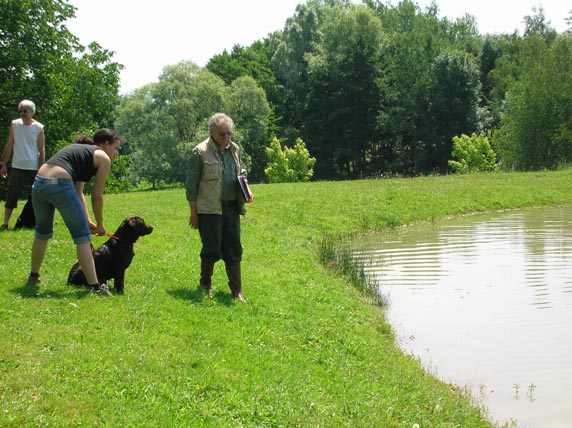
column 26, row 145
column 215, row 201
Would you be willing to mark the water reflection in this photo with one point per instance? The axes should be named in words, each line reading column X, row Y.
column 486, row 303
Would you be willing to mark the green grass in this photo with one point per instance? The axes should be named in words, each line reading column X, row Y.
column 309, row 349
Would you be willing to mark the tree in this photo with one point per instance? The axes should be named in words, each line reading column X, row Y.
column 289, row 63
column 162, row 120
column 535, row 128
column 70, row 111
column 277, row 170
column 252, row 61
column 41, row 60
column 415, row 39
column 490, row 52
column 300, row 161
column 534, row 78
column 32, row 36
column 147, row 135
column 248, row 107
column 454, row 96
column 537, row 25
column 189, row 95
column 343, row 101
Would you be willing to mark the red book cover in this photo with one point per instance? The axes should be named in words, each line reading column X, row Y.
column 248, row 195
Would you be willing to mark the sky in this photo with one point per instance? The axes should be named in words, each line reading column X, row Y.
column 147, row 36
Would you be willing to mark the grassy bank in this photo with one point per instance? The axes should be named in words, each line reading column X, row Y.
column 307, row 350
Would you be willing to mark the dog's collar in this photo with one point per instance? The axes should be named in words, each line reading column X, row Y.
column 109, row 235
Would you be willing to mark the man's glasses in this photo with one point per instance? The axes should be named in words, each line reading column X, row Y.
column 23, row 111
column 225, row 134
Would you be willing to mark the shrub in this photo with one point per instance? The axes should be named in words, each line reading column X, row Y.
column 289, row 165
column 472, row 154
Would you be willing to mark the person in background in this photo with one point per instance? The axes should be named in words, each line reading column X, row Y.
column 59, row 184
column 26, row 145
column 215, row 202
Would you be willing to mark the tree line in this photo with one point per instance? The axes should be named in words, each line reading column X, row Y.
column 371, row 90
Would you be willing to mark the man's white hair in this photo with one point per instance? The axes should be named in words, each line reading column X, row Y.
column 28, row 105
column 219, row 119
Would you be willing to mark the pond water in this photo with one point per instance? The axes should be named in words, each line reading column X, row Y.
column 485, row 303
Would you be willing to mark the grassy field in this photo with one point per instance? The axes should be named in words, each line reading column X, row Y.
column 309, row 349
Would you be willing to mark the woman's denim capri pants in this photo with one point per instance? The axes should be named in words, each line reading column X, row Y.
column 51, row 193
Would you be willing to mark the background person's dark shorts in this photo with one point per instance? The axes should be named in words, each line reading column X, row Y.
column 17, row 178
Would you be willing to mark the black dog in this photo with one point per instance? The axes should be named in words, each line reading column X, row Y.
column 27, row 218
column 115, row 255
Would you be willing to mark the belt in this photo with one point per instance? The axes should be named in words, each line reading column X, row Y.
column 51, row 181
column 229, row 203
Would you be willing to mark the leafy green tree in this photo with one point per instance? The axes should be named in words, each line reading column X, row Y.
column 454, row 97
column 32, row 36
column 134, row 117
column 490, row 52
column 188, row 95
column 71, row 111
column 162, row 121
column 472, row 154
column 253, row 61
column 343, row 101
column 289, row 63
column 537, row 25
column 535, row 128
column 533, row 87
column 154, row 161
column 415, row 39
column 141, row 125
column 248, row 107
column 41, row 60
column 289, row 165
column 513, row 56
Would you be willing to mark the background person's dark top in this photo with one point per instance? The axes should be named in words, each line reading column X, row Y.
column 229, row 176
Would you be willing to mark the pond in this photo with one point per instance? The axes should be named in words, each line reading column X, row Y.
column 485, row 303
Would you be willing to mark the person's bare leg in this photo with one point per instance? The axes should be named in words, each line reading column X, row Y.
column 38, row 253
column 7, row 215
column 85, row 258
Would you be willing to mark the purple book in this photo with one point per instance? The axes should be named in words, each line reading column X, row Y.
column 248, row 195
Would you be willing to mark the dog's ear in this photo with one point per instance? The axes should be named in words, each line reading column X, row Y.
column 135, row 221
column 125, row 230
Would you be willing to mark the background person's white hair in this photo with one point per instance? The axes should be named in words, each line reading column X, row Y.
column 218, row 119
column 27, row 105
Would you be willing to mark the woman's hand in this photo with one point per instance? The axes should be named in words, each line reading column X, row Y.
column 101, row 230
